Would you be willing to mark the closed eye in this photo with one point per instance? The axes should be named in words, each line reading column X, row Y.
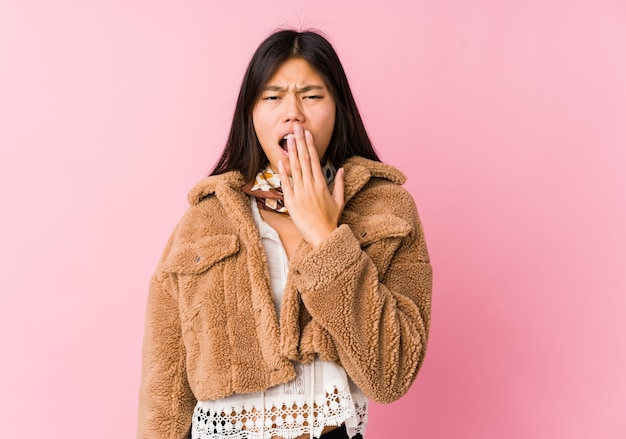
column 313, row 97
column 271, row 98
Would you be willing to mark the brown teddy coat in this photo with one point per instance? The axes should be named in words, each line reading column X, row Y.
column 362, row 298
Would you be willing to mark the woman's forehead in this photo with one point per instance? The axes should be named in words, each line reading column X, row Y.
column 295, row 72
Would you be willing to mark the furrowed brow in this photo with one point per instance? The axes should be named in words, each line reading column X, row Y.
column 275, row 88
column 305, row 89
column 308, row 88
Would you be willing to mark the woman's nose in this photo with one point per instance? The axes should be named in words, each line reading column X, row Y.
column 293, row 110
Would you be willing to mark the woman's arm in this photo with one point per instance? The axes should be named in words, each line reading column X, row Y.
column 378, row 321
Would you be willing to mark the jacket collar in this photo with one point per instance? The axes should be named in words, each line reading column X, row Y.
column 214, row 184
column 358, row 171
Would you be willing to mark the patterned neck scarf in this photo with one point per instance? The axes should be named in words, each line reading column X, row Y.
column 268, row 192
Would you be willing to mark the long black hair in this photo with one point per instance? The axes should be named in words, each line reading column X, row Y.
column 243, row 151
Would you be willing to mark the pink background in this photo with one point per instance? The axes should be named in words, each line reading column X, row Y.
column 509, row 117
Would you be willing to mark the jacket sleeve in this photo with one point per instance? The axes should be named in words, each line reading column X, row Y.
column 378, row 321
column 166, row 402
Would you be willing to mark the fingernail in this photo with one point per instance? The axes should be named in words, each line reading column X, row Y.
column 307, row 133
column 297, row 129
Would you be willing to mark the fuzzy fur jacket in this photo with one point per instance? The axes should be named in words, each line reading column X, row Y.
column 362, row 299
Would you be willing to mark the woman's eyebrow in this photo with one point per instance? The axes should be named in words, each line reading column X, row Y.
column 307, row 88
column 303, row 89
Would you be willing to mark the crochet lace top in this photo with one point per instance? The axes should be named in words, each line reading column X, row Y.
column 322, row 394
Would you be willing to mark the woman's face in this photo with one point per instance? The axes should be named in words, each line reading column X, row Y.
column 296, row 94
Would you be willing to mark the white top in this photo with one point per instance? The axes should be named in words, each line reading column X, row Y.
column 321, row 390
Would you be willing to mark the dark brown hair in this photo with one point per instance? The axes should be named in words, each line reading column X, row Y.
column 243, row 151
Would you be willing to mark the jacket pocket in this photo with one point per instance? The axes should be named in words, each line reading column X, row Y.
column 379, row 235
column 369, row 229
column 198, row 256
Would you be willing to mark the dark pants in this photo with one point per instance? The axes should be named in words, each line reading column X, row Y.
column 339, row 433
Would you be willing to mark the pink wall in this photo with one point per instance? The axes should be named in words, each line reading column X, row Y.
column 509, row 118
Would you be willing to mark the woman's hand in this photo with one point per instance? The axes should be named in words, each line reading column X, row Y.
column 314, row 210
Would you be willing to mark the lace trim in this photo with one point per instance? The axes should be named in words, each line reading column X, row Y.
column 289, row 421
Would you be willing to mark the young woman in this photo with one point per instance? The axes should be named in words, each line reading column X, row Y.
column 297, row 285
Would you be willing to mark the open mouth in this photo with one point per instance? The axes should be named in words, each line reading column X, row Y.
column 283, row 142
